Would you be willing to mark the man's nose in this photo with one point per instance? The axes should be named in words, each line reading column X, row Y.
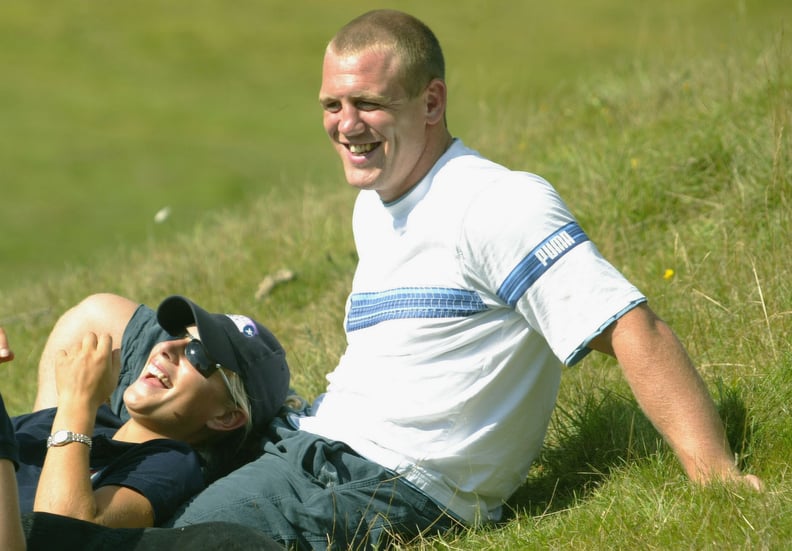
column 350, row 122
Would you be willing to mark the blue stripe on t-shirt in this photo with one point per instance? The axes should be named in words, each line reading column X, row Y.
column 539, row 260
column 367, row 309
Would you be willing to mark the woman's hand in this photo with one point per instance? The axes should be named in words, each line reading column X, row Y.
column 6, row 354
column 88, row 373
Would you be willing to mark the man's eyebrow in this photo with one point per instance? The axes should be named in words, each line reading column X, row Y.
column 358, row 96
column 375, row 96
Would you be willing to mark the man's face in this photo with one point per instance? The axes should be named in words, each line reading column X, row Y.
column 379, row 132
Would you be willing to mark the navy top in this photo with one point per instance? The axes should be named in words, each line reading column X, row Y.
column 166, row 472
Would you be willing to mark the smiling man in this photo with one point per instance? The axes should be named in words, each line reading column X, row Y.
column 474, row 286
column 386, row 122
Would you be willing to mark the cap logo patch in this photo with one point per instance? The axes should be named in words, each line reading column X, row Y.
column 245, row 325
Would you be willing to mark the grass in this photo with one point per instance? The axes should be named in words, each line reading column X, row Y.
column 666, row 129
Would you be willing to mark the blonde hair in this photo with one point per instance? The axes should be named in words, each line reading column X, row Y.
column 239, row 397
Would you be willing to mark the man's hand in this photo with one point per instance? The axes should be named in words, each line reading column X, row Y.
column 751, row 481
column 87, row 373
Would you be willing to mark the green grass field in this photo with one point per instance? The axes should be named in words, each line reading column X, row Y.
column 666, row 127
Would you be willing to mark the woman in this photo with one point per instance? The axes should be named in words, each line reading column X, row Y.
column 201, row 391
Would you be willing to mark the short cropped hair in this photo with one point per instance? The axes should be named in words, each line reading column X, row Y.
column 415, row 45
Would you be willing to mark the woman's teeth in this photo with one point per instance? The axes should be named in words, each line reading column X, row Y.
column 159, row 374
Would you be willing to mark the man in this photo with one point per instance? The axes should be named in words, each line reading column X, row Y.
column 474, row 284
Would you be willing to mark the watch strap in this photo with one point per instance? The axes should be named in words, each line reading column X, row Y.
column 63, row 437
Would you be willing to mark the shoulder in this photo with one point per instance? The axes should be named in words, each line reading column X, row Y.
column 464, row 171
column 512, row 201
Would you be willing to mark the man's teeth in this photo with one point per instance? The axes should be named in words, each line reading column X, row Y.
column 158, row 373
column 359, row 149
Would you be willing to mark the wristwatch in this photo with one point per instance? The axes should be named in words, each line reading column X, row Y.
column 63, row 437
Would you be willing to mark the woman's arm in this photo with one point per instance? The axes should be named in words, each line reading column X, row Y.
column 11, row 535
column 84, row 378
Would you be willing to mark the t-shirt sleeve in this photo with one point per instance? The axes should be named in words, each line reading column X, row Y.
column 165, row 472
column 539, row 261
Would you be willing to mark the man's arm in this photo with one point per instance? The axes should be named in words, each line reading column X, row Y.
column 672, row 394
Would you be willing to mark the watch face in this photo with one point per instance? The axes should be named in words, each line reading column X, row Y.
column 63, row 437
column 60, row 437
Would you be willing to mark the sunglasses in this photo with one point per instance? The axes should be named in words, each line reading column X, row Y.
column 199, row 358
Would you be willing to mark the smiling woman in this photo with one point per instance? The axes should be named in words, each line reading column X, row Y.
column 149, row 452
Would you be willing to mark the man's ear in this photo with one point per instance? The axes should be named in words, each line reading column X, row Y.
column 435, row 101
column 228, row 421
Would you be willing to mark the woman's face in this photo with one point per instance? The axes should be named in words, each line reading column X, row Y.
column 172, row 398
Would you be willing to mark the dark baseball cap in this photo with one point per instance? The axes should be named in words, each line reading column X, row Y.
column 240, row 344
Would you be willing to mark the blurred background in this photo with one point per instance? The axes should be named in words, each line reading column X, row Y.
column 123, row 122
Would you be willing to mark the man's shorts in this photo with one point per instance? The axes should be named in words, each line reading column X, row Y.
column 303, row 489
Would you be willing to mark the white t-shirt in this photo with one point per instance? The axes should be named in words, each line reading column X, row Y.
column 469, row 294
